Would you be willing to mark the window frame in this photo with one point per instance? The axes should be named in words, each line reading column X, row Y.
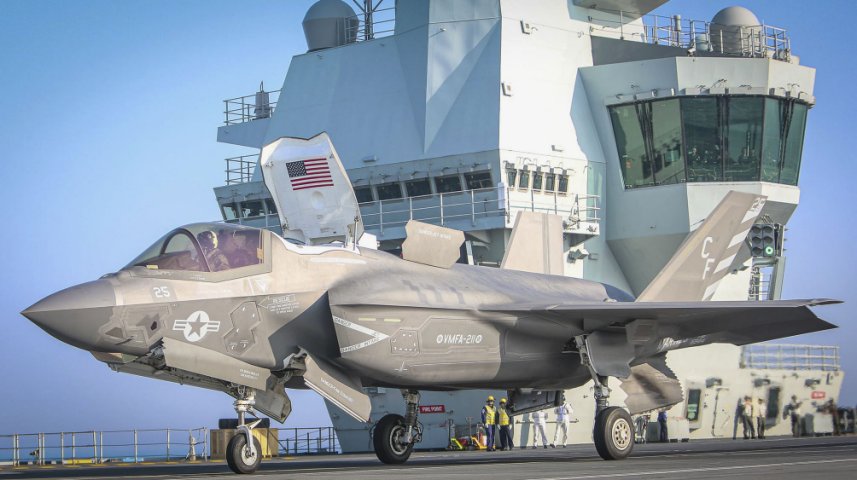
column 721, row 143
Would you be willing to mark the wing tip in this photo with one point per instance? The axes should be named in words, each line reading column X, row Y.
column 816, row 302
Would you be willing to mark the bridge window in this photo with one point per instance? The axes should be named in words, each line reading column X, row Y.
column 418, row 188
column 718, row 138
column 230, row 211
column 363, row 194
column 563, row 184
column 478, row 180
column 524, row 181
column 252, row 208
column 389, row 191
column 550, row 182
column 538, row 177
column 511, row 177
column 271, row 206
column 667, row 159
column 451, row 183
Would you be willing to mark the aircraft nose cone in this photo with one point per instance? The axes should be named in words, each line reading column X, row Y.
column 74, row 315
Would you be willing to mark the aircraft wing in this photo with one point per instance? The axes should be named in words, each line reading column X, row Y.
column 666, row 326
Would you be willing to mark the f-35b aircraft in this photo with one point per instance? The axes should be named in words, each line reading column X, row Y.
column 252, row 313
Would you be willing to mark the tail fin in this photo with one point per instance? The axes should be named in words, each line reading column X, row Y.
column 535, row 245
column 701, row 262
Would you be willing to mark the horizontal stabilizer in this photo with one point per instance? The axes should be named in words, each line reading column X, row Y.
column 651, row 385
column 706, row 255
column 337, row 387
column 536, row 244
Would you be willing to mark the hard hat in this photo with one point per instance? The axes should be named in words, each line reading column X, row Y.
column 490, row 398
column 502, row 400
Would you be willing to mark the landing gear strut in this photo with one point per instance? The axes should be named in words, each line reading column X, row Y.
column 244, row 453
column 394, row 436
column 614, row 432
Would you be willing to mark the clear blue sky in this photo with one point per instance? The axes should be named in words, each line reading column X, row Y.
column 109, row 112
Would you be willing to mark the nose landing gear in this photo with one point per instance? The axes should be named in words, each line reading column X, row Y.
column 244, row 452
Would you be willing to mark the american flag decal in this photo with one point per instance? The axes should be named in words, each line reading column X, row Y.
column 312, row 173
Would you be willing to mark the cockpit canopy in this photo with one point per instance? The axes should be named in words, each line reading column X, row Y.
column 204, row 247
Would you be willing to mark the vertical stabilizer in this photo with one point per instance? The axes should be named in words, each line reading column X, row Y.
column 701, row 262
column 536, row 244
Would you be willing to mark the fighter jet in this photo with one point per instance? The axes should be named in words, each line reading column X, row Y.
column 252, row 313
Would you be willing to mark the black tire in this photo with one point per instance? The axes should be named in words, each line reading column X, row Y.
column 388, row 431
column 614, row 433
column 237, row 458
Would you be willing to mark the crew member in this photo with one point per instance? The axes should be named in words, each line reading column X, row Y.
column 563, row 417
column 489, row 419
column 216, row 259
column 833, row 410
column 504, row 422
column 539, row 419
column 662, row 423
column 747, row 415
column 793, row 410
column 760, row 412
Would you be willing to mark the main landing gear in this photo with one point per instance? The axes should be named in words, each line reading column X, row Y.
column 244, row 453
column 394, row 436
column 614, row 431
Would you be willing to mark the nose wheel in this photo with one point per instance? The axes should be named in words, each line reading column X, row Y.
column 244, row 452
column 240, row 457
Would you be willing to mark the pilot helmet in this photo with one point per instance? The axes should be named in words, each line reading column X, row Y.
column 207, row 239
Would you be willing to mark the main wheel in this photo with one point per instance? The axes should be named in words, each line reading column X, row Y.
column 387, row 440
column 614, row 433
column 239, row 458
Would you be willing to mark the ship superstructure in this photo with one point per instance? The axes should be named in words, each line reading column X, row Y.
column 631, row 127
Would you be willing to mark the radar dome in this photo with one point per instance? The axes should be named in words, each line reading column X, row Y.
column 735, row 31
column 329, row 23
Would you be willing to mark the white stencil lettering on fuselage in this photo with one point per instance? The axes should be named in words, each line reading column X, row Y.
column 375, row 336
column 458, row 339
column 283, row 304
column 196, row 326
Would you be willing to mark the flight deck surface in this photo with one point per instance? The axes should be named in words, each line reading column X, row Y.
column 780, row 458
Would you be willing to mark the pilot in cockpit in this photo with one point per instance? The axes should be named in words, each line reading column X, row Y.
column 217, row 261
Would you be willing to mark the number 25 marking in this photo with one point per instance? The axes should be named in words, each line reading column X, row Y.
column 161, row 292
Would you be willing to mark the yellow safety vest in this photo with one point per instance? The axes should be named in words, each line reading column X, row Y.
column 504, row 417
column 490, row 415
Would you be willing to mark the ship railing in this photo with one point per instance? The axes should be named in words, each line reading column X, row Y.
column 256, row 106
column 580, row 212
column 308, row 441
column 240, row 169
column 580, row 215
column 381, row 21
column 758, row 41
column 791, row 357
column 439, row 208
column 103, row 446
